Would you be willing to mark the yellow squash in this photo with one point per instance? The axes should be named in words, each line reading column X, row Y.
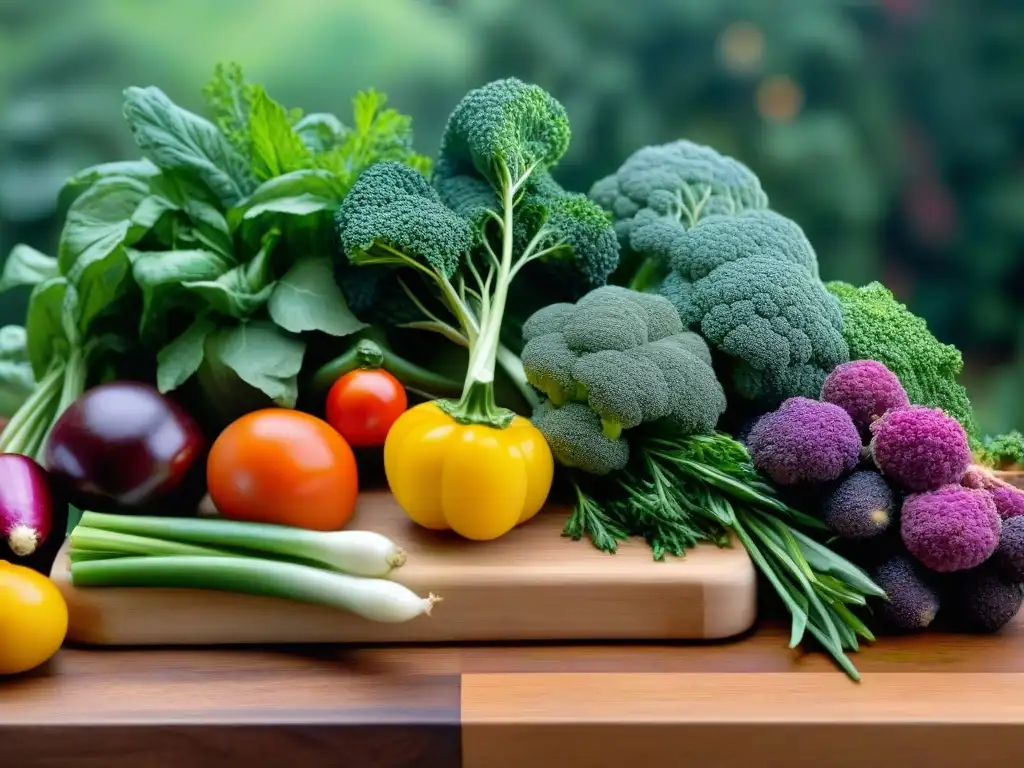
column 478, row 480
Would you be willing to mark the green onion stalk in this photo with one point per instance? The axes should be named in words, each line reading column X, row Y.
column 685, row 490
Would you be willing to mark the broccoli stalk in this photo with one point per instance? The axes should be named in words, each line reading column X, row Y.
column 490, row 210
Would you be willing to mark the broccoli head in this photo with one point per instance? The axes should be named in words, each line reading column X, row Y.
column 574, row 433
column 717, row 240
column 878, row 327
column 503, row 131
column 681, row 179
column 627, row 355
column 393, row 216
column 778, row 324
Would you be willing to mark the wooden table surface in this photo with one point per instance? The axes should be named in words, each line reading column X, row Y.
column 932, row 700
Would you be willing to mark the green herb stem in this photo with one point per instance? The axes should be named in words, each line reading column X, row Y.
column 25, row 432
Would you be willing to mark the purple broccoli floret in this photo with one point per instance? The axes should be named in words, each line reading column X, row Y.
column 920, row 449
column 951, row 529
column 860, row 507
column 805, row 442
column 865, row 389
column 982, row 601
column 1009, row 555
column 912, row 603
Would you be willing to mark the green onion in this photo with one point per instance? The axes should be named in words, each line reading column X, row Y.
column 84, row 538
column 374, row 599
column 360, row 553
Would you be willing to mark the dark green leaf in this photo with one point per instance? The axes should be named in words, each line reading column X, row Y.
column 99, row 283
column 26, row 266
column 47, row 323
column 160, row 274
column 302, row 205
column 264, row 357
column 297, row 193
column 276, row 147
column 177, row 139
column 320, row 131
column 308, row 299
column 140, row 170
column 100, row 220
column 179, row 360
column 229, row 294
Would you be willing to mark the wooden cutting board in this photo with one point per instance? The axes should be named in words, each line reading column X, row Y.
column 531, row 584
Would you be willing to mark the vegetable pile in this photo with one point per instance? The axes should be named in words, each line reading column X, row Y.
column 267, row 306
column 897, row 486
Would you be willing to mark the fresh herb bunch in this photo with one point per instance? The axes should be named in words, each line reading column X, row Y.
column 681, row 490
column 214, row 250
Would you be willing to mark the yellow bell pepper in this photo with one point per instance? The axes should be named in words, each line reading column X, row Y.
column 480, row 480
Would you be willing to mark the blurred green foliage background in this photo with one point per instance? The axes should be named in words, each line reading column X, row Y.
column 892, row 130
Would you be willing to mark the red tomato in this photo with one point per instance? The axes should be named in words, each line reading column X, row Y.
column 363, row 404
column 283, row 467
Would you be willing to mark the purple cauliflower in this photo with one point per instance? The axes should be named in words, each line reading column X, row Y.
column 805, row 442
column 865, row 389
column 911, row 602
column 1009, row 555
column 919, row 449
column 950, row 529
column 1009, row 500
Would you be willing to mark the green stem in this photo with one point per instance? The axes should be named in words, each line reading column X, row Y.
column 477, row 405
column 25, row 431
column 367, row 353
column 647, row 276
column 75, row 373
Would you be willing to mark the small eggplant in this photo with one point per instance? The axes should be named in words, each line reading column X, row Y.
column 29, row 513
column 123, row 447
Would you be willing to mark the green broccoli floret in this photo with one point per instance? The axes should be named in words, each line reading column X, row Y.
column 680, row 182
column 782, row 329
column 573, row 432
column 1004, row 452
column 392, row 216
column 717, row 240
column 878, row 327
column 627, row 355
column 503, row 132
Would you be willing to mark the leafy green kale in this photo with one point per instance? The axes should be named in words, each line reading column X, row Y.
column 878, row 327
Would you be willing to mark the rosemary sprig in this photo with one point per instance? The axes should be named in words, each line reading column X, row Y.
column 681, row 491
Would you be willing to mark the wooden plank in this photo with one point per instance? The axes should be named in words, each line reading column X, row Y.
column 610, row 720
column 532, row 584
column 123, row 710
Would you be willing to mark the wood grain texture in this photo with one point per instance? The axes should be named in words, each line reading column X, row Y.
column 611, row 720
column 316, row 705
column 532, row 584
column 131, row 709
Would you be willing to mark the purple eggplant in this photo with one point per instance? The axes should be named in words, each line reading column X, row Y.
column 29, row 513
column 123, row 447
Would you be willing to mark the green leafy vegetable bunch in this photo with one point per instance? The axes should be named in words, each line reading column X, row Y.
column 213, row 251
